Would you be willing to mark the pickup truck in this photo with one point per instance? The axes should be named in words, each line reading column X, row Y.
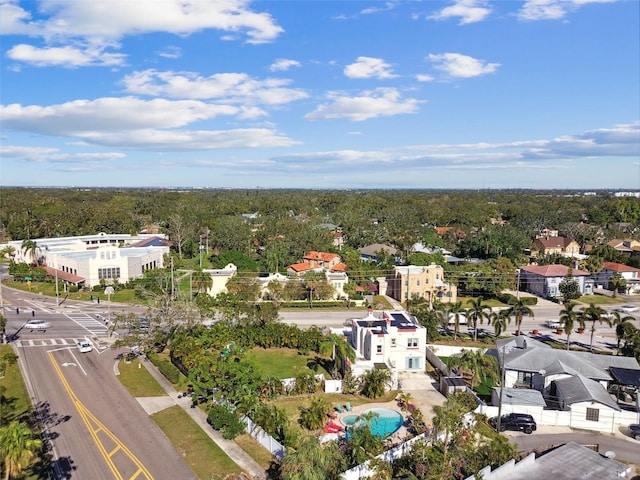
column 554, row 324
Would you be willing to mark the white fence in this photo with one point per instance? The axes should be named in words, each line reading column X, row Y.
column 267, row 441
column 449, row 350
column 608, row 420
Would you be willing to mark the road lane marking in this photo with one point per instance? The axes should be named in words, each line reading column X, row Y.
column 94, row 426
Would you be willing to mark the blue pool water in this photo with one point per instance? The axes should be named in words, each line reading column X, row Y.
column 384, row 424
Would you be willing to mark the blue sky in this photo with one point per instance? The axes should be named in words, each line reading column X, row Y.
column 320, row 94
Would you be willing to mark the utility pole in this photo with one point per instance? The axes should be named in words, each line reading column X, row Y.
column 498, row 424
column 173, row 289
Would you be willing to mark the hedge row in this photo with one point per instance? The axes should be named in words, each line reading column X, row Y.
column 318, row 304
column 168, row 369
column 511, row 299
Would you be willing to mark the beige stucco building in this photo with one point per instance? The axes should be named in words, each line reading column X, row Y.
column 426, row 282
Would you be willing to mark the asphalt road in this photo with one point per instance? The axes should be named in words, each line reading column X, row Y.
column 95, row 428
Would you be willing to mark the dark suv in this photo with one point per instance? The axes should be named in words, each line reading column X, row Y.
column 515, row 421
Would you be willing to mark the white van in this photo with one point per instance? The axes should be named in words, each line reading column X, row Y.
column 85, row 346
column 554, row 324
column 462, row 319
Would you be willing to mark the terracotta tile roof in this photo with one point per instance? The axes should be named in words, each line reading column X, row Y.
column 320, row 256
column 619, row 267
column 300, row 267
column 152, row 241
column 64, row 276
column 554, row 271
column 340, row 267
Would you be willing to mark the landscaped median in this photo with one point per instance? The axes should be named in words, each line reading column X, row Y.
column 200, row 452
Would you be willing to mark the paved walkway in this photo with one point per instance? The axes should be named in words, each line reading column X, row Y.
column 156, row 404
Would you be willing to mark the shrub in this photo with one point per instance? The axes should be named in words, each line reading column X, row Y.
column 168, row 369
column 223, row 417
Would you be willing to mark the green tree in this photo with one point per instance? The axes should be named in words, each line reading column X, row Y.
column 623, row 325
column 315, row 415
column 375, row 381
column 569, row 287
column 3, row 326
column 18, row 448
column 499, row 321
column 477, row 313
column 30, row 248
column 310, row 460
column 568, row 317
column 518, row 310
column 202, row 280
column 593, row 314
column 7, row 358
column 617, row 282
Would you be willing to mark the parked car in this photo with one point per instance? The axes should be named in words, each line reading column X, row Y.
column 634, row 430
column 627, row 308
column 515, row 421
column 85, row 346
column 37, row 325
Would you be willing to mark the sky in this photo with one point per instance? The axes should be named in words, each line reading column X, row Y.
column 458, row 94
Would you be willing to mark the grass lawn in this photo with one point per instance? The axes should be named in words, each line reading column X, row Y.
column 16, row 402
column 202, row 454
column 49, row 289
column 282, row 362
column 253, row 448
column 15, row 405
column 138, row 380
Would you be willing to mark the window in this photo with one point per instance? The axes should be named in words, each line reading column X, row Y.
column 393, row 342
column 412, row 342
column 593, row 414
column 113, row 272
column 378, row 348
column 525, row 378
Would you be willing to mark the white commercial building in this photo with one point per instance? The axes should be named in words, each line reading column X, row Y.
column 86, row 260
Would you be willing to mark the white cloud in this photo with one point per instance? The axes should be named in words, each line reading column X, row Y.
column 171, row 52
column 386, row 7
column 469, row 11
column 44, row 154
column 421, row 77
column 368, row 67
column 130, row 122
column 102, row 20
column 283, row 64
column 461, row 66
column 381, row 102
column 68, row 56
column 553, row 9
column 224, row 87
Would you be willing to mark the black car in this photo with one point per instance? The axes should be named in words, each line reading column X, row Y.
column 515, row 421
column 634, row 430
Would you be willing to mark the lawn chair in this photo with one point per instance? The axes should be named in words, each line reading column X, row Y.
column 347, row 406
column 339, row 408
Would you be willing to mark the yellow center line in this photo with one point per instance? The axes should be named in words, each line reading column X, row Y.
column 94, row 426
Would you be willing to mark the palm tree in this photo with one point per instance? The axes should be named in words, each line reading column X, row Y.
column 594, row 314
column 456, row 311
column 499, row 321
column 17, row 447
column 622, row 324
column 617, row 282
column 518, row 310
column 374, row 382
column 568, row 317
column 8, row 251
column 477, row 313
column 340, row 351
column 31, row 247
column 312, row 461
column 202, row 280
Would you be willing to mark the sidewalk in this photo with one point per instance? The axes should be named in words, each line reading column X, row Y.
column 155, row 404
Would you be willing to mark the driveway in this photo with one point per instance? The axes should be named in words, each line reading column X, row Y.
column 424, row 392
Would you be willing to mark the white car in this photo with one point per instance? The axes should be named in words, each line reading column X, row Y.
column 554, row 324
column 85, row 346
column 37, row 325
column 627, row 308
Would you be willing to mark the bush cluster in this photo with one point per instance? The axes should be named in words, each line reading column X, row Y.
column 168, row 369
column 223, row 417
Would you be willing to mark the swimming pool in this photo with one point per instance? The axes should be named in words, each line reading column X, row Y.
column 384, row 423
